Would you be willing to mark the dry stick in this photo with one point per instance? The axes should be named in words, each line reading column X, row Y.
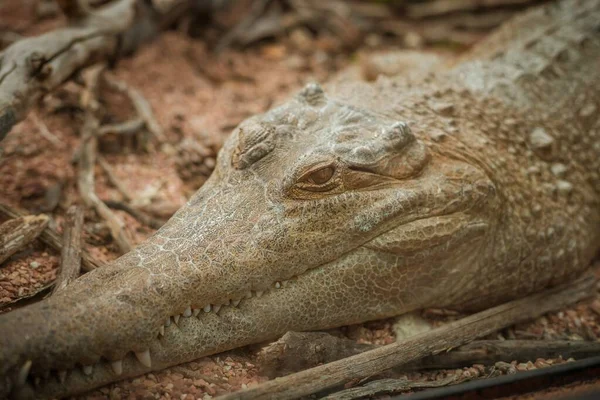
column 50, row 237
column 130, row 127
column 85, row 183
column 34, row 66
column 435, row 341
column 391, row 386
column 87, row 159
column 127, row 196
column 141, row 105
column 19, row 232
column 296, row 351
column 45, row 132
column 488, row 352
column 70, row 256
column 112, row 178
column 142, row 217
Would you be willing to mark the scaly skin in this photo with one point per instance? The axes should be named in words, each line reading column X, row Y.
column 340, row 213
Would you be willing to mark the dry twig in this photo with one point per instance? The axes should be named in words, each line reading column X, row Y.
column 141, row 105
column 392, row 386
column 37, row 65
column 488, row 352
column 112, row 178
column 19, row 232
column 130, row 127
column 70, row 256
column 50, row 237
column 87, row 160
column 142, row 217
column 296, row 351
column 419, row 346
column 85, row 183
column 45, row 132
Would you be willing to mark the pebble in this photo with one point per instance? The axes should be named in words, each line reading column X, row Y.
column 540, row 139
column 564, row 187
column 34, row 264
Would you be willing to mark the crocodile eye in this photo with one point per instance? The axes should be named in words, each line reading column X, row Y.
column 320, row 176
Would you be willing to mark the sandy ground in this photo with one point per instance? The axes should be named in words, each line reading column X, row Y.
column 198, row 97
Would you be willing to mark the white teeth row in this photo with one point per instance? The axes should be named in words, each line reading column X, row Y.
column 142, row 356
column 117, row 366
column 195, row 312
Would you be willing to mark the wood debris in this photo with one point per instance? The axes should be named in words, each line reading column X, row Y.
column 419, row 346
column 50, row 237
column 19, row 232
column 70, row 256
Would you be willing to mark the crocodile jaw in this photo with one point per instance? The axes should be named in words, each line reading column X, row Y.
column 321, row 298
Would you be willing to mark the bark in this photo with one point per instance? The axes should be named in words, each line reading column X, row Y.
column 417, row 347
column 19, row 232
column 70, row 256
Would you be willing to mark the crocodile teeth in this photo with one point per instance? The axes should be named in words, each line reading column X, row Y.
column 216, row 308
column 161, row 330
column 168, row 322
column 117, row 366
column 88, row 369
column 37, row 380
column 188, row 312
column 176, row 319
column 62, row 376
column 236, row 303
column 259, row 293
column 196, row 312
column 24, row 372
column 207, row 308
column 248, row 295
column 277, row 285
column 227, row 303
column 144, row 358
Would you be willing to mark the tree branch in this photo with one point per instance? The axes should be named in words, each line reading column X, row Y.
column 70, row 256
column 50, row 237
column 19, row 232
column 34, row 66
column 435, row 341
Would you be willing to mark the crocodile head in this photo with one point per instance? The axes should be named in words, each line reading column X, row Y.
column 318, row 214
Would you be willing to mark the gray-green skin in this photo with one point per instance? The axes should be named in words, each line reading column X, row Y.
column 466, row 188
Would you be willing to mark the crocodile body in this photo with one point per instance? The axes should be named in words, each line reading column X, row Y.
column 464, row 189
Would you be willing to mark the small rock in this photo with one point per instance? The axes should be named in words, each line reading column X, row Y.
column 505, row 367
column 274, row 52
column 302, row 40
column 587, row 110
column 443, row 108
column 413, row 40
column 540, row 139
column 564, row 187
column 34, row 264
column 373, row 40
column 558, row 169
column 541, row 363
column 296, row 62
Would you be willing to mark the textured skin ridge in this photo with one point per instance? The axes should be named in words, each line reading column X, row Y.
column 466, row 188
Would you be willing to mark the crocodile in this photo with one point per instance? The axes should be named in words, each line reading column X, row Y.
column 463, row 188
